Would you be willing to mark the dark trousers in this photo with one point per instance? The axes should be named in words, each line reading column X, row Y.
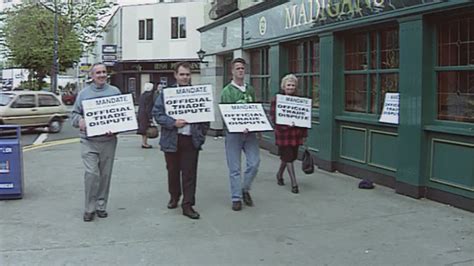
column 182, row 164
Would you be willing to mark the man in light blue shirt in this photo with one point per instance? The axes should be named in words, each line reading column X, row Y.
column 97, row 152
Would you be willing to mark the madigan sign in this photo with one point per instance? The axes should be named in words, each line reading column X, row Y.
column 303, row 15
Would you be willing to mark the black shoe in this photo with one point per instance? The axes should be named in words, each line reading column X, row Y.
column 247, row 199
column 190, row 212
column 173, row 204
column 236, row 205
column 295, row 189
column 88, row 216
column 280, row 181
column 102, row 214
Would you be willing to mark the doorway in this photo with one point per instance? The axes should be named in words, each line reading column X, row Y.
column 227, row 58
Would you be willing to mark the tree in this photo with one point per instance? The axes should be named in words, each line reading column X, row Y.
column 27, row 33
column 87, row 17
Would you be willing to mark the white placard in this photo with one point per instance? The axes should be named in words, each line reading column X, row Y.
column 292, row 110
column 391, row 108
column 113, row 113
column 251, row 116
column 191, row 103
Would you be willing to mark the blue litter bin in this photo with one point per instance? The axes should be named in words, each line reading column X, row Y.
column 11, row 163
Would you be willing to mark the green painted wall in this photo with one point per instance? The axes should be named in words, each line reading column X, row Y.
column 420, row 151
column 411, row 142
column 353, row 144
column 382, row 149
column 331, row 96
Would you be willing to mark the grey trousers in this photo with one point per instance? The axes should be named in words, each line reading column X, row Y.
column 98, row 159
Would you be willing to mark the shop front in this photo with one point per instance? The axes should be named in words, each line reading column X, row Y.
column 348, row 55
column 131, row 76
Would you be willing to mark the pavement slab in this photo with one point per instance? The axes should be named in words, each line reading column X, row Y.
column 331, row 221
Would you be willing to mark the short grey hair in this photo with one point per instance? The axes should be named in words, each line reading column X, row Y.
column 286, row 78
column 91, row 70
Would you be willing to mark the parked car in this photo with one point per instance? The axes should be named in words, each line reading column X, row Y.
column 32, row 109
column 68, row 98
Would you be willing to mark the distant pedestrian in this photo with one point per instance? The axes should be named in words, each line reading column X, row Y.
column 181, row 143
column 287, row 138
column 97, row 152
column 237, row 91
column 145, row 118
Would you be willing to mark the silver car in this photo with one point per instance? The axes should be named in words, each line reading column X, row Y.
column 32, row 109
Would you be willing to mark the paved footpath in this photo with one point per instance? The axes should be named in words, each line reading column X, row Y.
column 331, row 221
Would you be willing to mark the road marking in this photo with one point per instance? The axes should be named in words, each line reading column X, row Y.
column 63, row 141
column 49, row 144
column 41, row 138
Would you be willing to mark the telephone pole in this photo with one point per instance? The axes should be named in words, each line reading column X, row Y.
column 54, row 72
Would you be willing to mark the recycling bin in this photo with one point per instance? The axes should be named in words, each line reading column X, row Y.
column 11, row 163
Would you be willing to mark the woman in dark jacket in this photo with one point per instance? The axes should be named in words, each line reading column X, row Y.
column 145, row 105
column 287, row 138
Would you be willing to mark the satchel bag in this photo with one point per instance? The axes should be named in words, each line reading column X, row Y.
column 307, row 164
column 152, row 131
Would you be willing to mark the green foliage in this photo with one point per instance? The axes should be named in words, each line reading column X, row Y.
column 27, row 35
column 30, row 85
column 86, row 17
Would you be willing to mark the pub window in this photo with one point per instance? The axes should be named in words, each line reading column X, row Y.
column 145, row 29
column 260, row 74
column 303, row 61
column 178, row 27
column 455, row 69
column 371, row 62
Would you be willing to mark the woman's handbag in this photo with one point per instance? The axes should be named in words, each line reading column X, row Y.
column 152, row 131
column 307, row 164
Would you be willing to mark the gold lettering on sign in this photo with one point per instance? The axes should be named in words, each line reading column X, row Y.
column 160, row 66
column 194, row 66
column 347, row 4
column 333, row 10
column 379, row 3
column 302, row 15
column 290, row 17
column 310, row 11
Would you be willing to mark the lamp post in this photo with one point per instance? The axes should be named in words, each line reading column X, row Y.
column 201, row 54
column 54, row 72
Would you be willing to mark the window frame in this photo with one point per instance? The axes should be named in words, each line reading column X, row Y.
column 459, row 68
column 149, row 29
column 17, row 104
column 177, row 31
column 52, row 98
column 141, row 29
column 304, row 65
column 182, row 27
column 145, row 29
column 373, row 104
column 261, row 75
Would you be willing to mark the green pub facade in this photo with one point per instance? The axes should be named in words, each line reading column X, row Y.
column 347, row 55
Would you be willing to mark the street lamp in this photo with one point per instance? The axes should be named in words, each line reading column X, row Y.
column 54, row 72
column 201, row 54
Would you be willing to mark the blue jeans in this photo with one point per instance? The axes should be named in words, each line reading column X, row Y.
column 234, row 144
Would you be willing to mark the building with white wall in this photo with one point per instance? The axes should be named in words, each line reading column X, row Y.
column 142, row 43
column 221, row 39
